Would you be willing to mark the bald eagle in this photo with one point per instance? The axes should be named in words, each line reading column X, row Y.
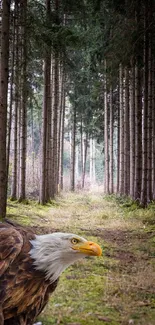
column 30, row 266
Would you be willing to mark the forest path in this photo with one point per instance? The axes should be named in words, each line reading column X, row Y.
column 125, row 285
column 116, row 289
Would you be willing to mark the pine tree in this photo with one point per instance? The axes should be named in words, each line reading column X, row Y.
column 4, row 58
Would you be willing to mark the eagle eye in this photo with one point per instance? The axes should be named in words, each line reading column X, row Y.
column 74, row 241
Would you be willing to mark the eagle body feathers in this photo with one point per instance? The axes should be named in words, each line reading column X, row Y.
column 23, row 290
column 30, row 267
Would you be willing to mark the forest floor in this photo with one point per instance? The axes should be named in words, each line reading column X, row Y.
column 115, row 289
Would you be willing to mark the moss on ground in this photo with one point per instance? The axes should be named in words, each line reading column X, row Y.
column 116, row 289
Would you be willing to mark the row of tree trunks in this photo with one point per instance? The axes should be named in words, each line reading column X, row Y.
column 136, row 132
column 19, row 102
column 52, row 121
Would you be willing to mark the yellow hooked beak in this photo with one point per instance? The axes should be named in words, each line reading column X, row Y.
column 88, row 248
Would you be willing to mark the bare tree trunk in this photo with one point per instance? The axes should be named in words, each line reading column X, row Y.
column 132, row 129
column 153, row 129
column 49, row 123
column 11, row 97
column 91, row 161
column 55, row 127
column 138, row 133
column 145, row 112
column 121, row 183
column 73, row 151
column 126, row 133
column 61, row 86
column 111, row 187
column 149, row 128
column 42, row 198
column 118, row 150
column 106, row 144
column 81, row 142
column 4, row 58
column 32, row 140
column 51, row 166
column 45, row 120
column 85, row 160
column 62, row 136
column 16, row 107
column 22, row 194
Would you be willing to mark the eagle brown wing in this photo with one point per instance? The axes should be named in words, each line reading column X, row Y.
column 11, row 243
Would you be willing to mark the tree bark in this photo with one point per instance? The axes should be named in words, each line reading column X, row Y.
column 85, row 160
column 81, row 142
column 126, row 133
column 149, row 121
column 138, row 133
column 121, row 183
column 153, row 129
column 4, row 57
column 106, row 144
column 132, row 129
column 118, row 150
column 22, row 194
column 44, row 196
column 73, row 151
column 11, row 97
column 54, row 188
column 111, row 186
column 145, row 112
column 62, row 136
column 16, row 108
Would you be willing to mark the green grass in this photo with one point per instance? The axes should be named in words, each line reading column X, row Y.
column 117, row 288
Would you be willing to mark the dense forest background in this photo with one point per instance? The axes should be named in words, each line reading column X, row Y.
column 77, row 98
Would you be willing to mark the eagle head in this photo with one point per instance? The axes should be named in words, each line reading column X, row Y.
column 53, row 253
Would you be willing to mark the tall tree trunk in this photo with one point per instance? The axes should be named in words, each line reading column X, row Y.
column 45, row 120
column 22, row 194
column 73, row 151
column 153, row 129
column 54, row 188
column 118, row 150
column 11, row 97
column 138, row 107
column 126, row 133
column 16, row 107
column 145, row 111
column 61, row 86
column 149, row 124
column 42, row 198
column 62, row 135
column 4, row 57
column 138, row 133
column 111, row 186
column 32, row 140
column 92, row 161
column 121, row 183
column 81, row 142
column 85, row 160
column 106, row 145
column 132, row 129
column 49, row 125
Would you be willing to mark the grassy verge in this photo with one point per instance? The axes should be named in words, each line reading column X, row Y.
column 116, row 289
